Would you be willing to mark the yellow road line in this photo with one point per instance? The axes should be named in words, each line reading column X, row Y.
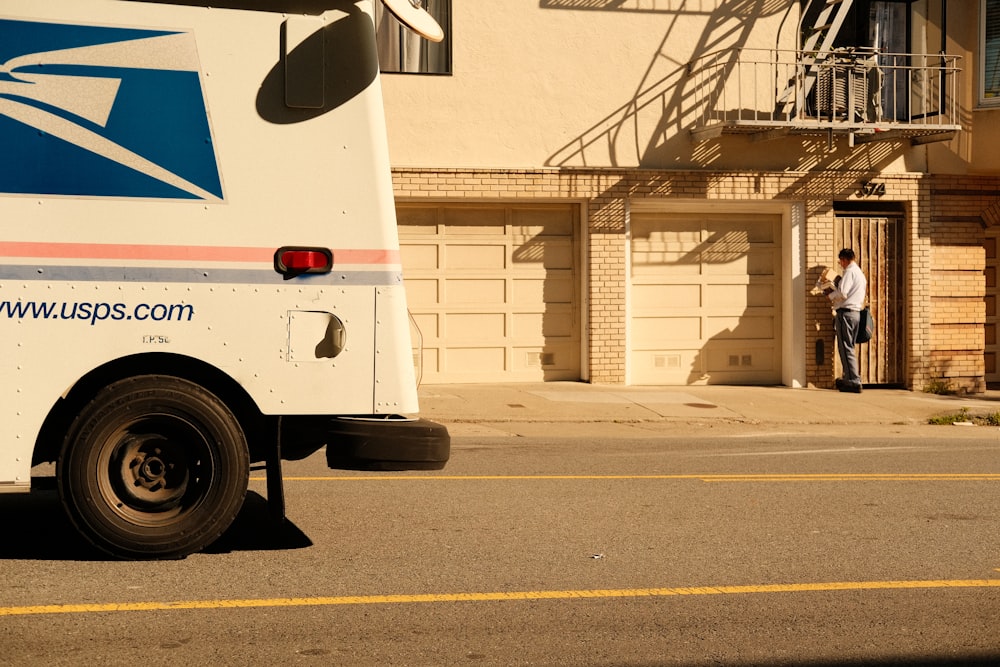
column 830, row 477
column 496, row 596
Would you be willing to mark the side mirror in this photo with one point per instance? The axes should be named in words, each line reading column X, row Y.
column 412, row 14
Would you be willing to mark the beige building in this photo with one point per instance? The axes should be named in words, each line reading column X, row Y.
column 644, row 191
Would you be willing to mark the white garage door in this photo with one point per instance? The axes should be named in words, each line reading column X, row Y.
column 705, row 298
column 493, row 291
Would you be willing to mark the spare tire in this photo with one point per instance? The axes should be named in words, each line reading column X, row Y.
column 389, row 442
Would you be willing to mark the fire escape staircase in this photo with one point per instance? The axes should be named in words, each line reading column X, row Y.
column 816, row 47
column 825, row 89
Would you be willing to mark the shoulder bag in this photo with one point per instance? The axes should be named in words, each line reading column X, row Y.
column 866, row 326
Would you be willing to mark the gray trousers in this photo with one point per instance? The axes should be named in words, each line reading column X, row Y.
column 847, row 332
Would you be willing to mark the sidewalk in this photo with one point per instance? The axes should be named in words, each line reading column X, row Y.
column 524, row 409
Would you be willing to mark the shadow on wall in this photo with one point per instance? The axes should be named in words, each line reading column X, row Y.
column 652, row 129
column 652, row 122
column 706, row 300
column 557, row 327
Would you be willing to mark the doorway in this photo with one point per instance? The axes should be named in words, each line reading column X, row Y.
column 877, row 239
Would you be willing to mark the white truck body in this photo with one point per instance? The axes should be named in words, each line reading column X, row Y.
column 158, row 163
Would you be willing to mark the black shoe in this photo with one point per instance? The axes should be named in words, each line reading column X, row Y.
column 845, row 386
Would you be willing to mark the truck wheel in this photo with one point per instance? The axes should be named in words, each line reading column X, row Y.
column 153, row 467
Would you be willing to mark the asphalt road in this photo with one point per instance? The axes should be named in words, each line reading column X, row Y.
column 759, row 549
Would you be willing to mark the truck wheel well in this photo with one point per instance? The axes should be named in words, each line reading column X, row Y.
column 257, row 427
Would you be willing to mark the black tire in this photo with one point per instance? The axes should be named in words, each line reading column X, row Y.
column 153, row 467
column 386, row 443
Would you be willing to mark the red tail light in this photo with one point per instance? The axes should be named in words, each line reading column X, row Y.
column 291, row 261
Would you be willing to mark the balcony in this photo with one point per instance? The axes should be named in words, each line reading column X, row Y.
column 864, row 94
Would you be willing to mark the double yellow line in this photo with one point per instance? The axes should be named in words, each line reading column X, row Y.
column 496, row 596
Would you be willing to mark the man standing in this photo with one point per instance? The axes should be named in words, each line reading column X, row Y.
column 849, row 298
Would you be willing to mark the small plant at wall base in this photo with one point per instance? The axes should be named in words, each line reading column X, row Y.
column 963, row 417
column 940, row 386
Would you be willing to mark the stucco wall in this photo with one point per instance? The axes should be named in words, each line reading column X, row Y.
column 543, row 83
column 602, row 84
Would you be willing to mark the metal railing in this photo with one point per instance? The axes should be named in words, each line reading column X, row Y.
column 845, row 88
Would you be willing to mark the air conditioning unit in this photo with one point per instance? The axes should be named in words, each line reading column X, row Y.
column 841, row 88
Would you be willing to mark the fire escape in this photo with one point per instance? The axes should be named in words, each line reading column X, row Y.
column 823, row 89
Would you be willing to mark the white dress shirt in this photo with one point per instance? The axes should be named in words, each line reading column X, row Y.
column 850, row 294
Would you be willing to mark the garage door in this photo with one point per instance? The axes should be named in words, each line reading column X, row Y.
column 705, row 299
column 493, row 291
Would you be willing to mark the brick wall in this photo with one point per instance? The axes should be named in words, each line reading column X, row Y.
column 945, row 289
column 959, row 210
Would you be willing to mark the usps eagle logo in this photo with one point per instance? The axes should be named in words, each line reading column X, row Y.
column 97, row 111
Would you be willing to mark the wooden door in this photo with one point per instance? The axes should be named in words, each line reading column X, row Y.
column 877, row 241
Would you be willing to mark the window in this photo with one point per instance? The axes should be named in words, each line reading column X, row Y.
column 989, row 40
column 879, row 24
column 874, row 39
column 402, row 50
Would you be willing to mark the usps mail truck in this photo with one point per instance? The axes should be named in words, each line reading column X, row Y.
column 199, row 261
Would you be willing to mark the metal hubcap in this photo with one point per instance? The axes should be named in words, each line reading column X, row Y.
column 153, row 472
